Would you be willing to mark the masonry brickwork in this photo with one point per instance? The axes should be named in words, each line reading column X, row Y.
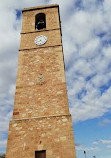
column 41, row 119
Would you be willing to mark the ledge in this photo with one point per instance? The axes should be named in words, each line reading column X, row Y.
column 41, row 117
column 40, row 7
column 43, row 30
column 40, row 47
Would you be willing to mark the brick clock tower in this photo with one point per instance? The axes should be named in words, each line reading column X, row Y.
column 41, row 126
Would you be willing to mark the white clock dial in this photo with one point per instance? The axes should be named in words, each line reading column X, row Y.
column 40, row 40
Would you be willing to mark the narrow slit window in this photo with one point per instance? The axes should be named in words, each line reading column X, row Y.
column 40, row 21
column 40, row 154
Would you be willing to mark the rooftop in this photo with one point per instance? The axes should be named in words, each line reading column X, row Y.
column 40, row 7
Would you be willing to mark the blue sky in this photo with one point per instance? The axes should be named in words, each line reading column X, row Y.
column 86, row 29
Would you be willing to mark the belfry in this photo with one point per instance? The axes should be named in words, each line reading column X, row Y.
column 41, row 126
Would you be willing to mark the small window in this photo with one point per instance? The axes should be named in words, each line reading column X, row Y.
column 40, row 21
column 40, row 154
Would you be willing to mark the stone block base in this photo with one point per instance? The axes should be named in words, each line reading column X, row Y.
column 54, row 134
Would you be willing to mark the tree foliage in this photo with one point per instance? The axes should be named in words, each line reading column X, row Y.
column 2, row 155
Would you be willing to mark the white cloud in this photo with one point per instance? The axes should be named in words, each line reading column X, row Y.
column 104, row 122
column 91, row 59
column 90, row 48
column 109, row 146
column 80, row 147
column 102, row 141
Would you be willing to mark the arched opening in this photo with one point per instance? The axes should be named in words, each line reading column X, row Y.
column 40, row 21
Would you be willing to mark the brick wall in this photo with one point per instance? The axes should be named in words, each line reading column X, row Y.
column 41, row 119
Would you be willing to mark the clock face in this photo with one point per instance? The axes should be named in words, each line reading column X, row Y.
column 40, row 40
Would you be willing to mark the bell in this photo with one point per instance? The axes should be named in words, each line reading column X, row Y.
column 40, row 25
